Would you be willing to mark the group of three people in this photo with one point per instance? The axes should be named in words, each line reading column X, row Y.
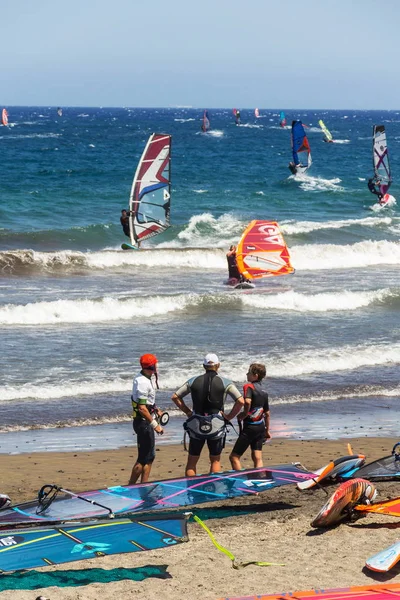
column 206, row 423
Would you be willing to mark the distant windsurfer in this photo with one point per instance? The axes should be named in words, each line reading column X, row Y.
column 209, row 392
column 124, row 219
column 145, row 413
column 374, row 186
column 254, row 419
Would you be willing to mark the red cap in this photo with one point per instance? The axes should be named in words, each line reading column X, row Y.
column 148, row 360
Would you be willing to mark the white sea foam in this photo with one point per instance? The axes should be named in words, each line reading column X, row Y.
column 215, row 132
column 201, row 191
column 310, row 184
column 342, row 141
column 207, row 230
column 260, row 193
column 110, row 309
column 330, row 256
column 184, row 120
column 306, row 361
column 296, row 227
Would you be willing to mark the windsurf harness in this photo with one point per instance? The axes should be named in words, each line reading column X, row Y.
column 300, row 144
column 262, row 251
column 382, row 178
column 149, row 201
column 205, row 427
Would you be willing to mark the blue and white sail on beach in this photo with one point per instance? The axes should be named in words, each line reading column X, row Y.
column 43, row 546
column 155, row 496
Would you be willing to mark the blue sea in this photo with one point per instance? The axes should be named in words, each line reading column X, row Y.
column 76, row 311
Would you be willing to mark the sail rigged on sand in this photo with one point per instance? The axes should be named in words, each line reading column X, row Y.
column 4, row 117
column 380, row 159
column 327, row 133
column 149, row 497
column 206, row 121
column 262, row 252
column 149, row 201
column 299, row 144
column 43, row 546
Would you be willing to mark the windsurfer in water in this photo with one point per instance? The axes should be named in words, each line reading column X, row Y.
column 145, row 413
column 374, row 188
column 254, row 419
column 233, row 271
column 124, row 219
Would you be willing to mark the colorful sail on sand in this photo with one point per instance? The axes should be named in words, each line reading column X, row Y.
column 335, row 469
column 384, row 560
column 299, row 144
column 262, row 251
column 383, row 469
column 4, row 117
column 387, row 591
column 43, row 546
column 205, row 126
column 149, row 202
column 328, row 136
column 282, row 119
column 380, row 183
column 60, row 505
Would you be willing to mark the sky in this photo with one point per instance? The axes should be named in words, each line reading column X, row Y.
column 211, row 53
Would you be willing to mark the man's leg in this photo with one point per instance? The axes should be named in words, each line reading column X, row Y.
column 235, row 461
column 215, row 463
column 146, row 472
column 191, row 465
column 256, row 456
column 137, row 471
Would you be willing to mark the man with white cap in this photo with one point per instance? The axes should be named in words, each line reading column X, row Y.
column 208, row 392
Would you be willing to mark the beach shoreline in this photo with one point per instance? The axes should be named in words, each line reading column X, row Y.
column 273, row 526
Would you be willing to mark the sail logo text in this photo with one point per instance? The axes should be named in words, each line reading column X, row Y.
column 273, row 235
column 8, row 541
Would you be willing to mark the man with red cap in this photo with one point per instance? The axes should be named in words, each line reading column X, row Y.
column 144, row 417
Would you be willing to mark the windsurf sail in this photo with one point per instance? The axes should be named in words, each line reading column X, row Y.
column 282, row 119
column 300, row 144
column 387, row 591
column 59, row 111
column 327, row 133
column 155, row 496
column 383, row 469
column 206, row 122
column 236, row 113
column 262, row 251
column 4, row 117
column 380, row 160
column 43, row 546
column 334, row 469
column 150, row 197
column 387, row 507
column 256, row 113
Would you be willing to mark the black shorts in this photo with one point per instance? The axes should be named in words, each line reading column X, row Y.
column 145, row 442
column 253, row 436
column 215, row 446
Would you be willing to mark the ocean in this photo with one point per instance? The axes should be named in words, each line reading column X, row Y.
column 76, row 311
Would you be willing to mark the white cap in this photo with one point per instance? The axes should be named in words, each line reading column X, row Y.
column 210, row 360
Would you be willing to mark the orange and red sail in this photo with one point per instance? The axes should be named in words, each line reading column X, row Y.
column 262, row 251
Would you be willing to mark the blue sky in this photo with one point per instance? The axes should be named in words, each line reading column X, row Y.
column 215, row 53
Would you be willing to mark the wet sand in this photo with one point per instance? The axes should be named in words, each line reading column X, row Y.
column 274, row 527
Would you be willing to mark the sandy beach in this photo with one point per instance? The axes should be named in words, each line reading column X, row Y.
column 273, row 527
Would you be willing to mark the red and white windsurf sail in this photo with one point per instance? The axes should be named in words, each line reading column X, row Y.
column 4, row 117
column 150, row 197
column 256, row 113
column 262, row 251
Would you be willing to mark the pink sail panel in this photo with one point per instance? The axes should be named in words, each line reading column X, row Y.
column 262, row 251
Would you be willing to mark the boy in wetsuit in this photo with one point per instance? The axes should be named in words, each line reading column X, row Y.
column 124, row 220
column 254, row 419
column 233, row 271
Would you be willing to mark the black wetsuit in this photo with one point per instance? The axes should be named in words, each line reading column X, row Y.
column 253, row 432
column 125, row 225
column 372, row 185
column 233, row 270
